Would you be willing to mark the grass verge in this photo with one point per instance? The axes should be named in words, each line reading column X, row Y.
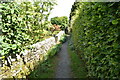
column 47, row 68
column 44, row 70
column 78, row 68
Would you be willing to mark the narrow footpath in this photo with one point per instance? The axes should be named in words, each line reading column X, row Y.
column 63, row 68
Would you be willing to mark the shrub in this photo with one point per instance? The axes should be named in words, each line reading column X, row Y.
column 63, row 39
column 21, row 25
column 63, row 21
column 96, row 34
column 54, row 50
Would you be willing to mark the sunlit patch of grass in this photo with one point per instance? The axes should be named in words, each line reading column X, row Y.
column 77, row 65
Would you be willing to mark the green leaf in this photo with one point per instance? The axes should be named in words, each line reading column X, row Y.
column 2, row 52
column 114, row 22
column 14, row 46
column 12, row 11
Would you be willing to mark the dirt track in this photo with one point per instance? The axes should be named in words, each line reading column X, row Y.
column 63, row 68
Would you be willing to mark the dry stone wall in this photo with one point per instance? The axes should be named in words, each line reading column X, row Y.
column 59, row 35
column 30, row 58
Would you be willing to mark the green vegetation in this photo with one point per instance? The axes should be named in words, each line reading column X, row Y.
column 22, row 25
column 63, row 38
column 63, row 21
column 96, row 34
column 53, row 51
column 46, row 69
column 78, row 67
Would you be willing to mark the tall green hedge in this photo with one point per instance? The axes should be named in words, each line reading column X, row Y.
column 96, row 34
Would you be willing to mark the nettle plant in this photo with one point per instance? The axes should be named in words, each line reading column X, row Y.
column 21, row 25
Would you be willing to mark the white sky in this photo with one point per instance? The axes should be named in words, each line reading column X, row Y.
column 62, row 8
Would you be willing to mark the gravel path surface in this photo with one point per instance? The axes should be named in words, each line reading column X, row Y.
column 63, row 68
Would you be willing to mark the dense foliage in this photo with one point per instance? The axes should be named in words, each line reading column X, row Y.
column 96, row 34
column 22, row 24
column 54, row 50
column 63, row 39
column 63, row 21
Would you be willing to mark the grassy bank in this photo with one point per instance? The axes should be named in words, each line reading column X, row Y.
column 44, row 70
column 47, row 68
column 77, row 65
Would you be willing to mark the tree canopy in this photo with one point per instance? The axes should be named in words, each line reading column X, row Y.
column 63, row 21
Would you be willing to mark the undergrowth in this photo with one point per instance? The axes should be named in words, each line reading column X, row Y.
column 77, row 65
column 47, row 68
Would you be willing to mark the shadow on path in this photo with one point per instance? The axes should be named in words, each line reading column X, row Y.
column 63, row 68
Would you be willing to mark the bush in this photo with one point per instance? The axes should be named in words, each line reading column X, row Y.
column 63, row 21
column 22, row 25
column 54, row 50
column 63, row 39
column 96, row 33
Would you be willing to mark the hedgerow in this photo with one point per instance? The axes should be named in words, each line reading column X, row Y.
column 96, row 34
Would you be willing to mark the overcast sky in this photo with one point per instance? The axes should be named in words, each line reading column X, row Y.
column 62, row 9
